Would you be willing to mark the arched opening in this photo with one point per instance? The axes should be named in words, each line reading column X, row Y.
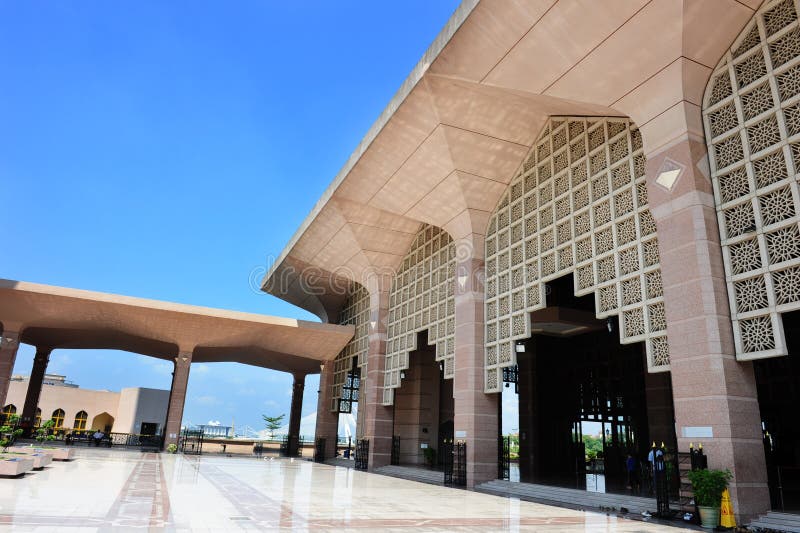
column 423, row 409
column 751, row 112
column 104, row 422
column 38, row 419
column 8, row 410
column 588, row 402
column 58, row 419
column 80, row 421
column 575, row 309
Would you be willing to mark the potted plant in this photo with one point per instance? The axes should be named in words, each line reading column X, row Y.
column 708, row 486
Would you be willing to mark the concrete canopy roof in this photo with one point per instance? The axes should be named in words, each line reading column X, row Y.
column 447, row 145
column 57, row 317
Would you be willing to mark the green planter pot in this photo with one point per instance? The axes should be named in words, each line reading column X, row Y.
column 709, row 516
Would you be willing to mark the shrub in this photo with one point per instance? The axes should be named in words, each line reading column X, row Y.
column 172, row 448
column 708, row 486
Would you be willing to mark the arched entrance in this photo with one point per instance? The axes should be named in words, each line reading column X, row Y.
column 423, row 409
column 104, row 422
column 574, row 300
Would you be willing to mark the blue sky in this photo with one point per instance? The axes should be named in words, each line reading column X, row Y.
column 166, row 149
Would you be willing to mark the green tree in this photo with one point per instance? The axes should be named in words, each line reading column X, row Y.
column 273, row 423
column 594, row 446
column 9, row 431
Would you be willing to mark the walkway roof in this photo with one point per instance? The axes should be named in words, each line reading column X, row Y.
column 59, row 317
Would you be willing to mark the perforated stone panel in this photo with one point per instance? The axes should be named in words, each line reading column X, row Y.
column 577, row 205
column 422, row 298
column 752, row 120
column 354, row 312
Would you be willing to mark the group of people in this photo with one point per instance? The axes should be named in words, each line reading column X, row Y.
column 633, row 468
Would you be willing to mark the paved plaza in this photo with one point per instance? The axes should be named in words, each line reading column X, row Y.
column 113, row 490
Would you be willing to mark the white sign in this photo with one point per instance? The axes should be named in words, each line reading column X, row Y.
column 424, row 445
column 697, row 432
column 461, row 434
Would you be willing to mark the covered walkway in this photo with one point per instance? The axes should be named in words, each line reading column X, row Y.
column 50, row 318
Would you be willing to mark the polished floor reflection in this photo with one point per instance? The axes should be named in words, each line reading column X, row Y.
column 117, row 490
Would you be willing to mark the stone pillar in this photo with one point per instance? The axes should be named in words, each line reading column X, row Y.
column 9, row 343
column 296, row 411
column 327, row 426
column 476, row 413
column 378, row 419
column 40, row 361
column 177, row 397
column 714, row 394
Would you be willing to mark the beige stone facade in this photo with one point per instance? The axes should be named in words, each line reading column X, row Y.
column 120, row 412
column 645, row 152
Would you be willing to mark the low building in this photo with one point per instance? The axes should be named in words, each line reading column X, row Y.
column 131, row 410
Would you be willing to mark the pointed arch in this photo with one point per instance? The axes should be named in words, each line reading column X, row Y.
column 751, row 114
column 577, row 205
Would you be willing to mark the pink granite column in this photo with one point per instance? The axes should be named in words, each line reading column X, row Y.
column 476, row 413
column 327, row 426
column 177, row 397
column 378, row 419
column 714, row 394
column 9, row 343
column 40, row 361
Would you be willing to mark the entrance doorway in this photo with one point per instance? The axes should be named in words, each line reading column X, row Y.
column 778, row 383
column 423, row 409
column 588, row 408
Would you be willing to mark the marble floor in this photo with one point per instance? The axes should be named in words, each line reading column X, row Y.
column 110, row 490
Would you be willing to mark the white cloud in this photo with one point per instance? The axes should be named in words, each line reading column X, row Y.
column 59, row 363
column 158, row 366
column 200, row 368
column 206, row 400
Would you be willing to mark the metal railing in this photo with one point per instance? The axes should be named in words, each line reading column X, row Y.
column 455, row 463
column 129, row 440
column 362, row 454
column 504, row 457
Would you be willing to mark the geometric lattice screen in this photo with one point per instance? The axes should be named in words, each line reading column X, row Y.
column 422, row 298
column 354, row 312
column 577, row 205
column 751, row 113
